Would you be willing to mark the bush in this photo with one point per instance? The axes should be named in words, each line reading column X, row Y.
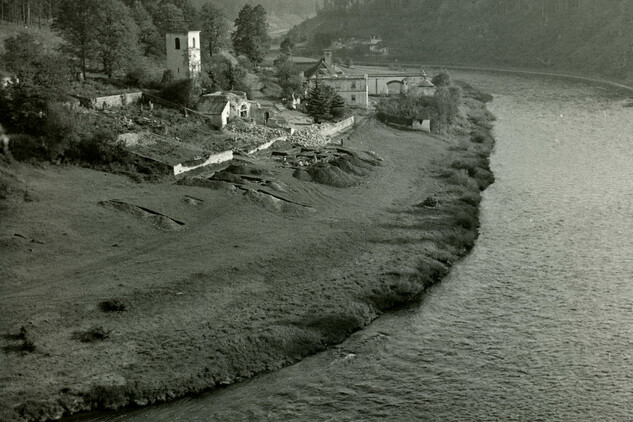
column 442, row 79
column 462, row 241
column 467, row 220
column 481, row 117
column 144, row 73
column 92, row 335
column 429, row 202
column 27, row 147
column 113, row 305
column 186, row 93
column 471, row 198
column 480, row 136
column 460, row 178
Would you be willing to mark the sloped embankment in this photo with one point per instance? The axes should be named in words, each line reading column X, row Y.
column 238, row 290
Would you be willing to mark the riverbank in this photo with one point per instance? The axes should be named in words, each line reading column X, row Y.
column 101, row 310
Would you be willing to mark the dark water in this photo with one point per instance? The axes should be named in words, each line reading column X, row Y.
column 536, row 324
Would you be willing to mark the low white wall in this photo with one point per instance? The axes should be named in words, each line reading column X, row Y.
column 267, row 145
column 212, row 159
column 337, row 127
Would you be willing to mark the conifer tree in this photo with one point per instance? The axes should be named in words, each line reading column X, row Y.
column 319, row 103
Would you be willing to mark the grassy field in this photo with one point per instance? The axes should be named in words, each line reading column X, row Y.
column 118, row 293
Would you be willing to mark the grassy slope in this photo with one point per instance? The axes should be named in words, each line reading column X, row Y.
column 241, row 290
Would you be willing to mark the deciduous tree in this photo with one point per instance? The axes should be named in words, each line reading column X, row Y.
column 251, row 33
column 150, row 41
column 76, row 21
column 215, row 30
column 116, row 36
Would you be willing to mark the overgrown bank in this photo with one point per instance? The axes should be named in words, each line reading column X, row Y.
column 175, row 314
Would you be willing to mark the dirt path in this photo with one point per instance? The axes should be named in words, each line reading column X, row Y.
column 237, row 291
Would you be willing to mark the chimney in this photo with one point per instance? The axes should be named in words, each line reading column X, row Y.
column 327, row 56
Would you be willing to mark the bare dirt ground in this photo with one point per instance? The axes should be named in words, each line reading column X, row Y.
column 103, row 305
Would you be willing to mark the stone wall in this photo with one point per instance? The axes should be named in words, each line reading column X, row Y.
column 334, row 128
column 111, row 100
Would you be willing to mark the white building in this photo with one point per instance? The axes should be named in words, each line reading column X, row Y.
column 183, row 54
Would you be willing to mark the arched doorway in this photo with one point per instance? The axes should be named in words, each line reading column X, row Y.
column 394, row 87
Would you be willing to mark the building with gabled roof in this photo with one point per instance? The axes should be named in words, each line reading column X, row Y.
column 352, row 87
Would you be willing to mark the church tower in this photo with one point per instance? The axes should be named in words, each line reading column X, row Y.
column 183, row 54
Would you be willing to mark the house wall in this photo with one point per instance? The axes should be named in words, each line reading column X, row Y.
column 353, row 90
column 220, row 120
column 378, row 84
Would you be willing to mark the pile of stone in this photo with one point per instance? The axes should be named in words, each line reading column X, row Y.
column 309, row 137
column 242, row 134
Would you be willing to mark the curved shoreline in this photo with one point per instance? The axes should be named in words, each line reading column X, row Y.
column 449, row 226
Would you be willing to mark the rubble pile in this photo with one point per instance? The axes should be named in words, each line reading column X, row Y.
column 252, row 134
column 309, row 136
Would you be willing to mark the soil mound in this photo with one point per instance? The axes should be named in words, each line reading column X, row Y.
column 156, row 219
column 338, row 167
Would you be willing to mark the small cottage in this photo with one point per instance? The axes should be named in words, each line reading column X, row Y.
column 218, row 108
column 227, row 106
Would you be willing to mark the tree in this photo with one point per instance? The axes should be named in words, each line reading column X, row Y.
column 288, row 76
column 39, row 77
column 116, row 36
column 169, row 18
column 214, row 28
column 338, row 108
column 150, row 41
column 76, row 20
column 319, row 102
column 251, row 33
column 287, row 46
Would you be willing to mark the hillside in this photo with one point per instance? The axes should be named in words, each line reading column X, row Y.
column 302, row 8
column 579, row 36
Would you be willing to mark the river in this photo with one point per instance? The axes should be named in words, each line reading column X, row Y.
column 535, row 324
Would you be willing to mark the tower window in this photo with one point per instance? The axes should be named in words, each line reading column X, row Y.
column 194, row 42
column 177, row 43
column 354, row 98
column 353, row 84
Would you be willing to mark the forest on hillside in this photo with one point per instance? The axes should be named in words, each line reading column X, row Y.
column 580, row 36
column 32, row 12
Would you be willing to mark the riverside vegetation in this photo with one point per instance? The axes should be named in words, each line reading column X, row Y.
column 103, row 310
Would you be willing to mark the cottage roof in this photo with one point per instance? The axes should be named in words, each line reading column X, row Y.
column 425, row 83
column 322, row 68
column 213, row 104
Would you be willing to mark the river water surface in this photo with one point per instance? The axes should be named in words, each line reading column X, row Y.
column 535, row 324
